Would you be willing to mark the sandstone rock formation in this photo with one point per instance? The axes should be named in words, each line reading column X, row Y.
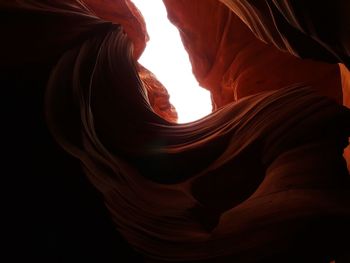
column 235, row 64
column 262, row 179
column 157, row 95
column 124, row 13
column 320, row 33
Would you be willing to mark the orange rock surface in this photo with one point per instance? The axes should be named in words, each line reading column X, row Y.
column 124, row 13
column 345, row 77
column 261, row 179
column 157, row 94
column 234, row 63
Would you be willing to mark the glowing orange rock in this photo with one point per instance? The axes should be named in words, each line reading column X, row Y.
column 124, row 13
column 157, row 94
column 232, row 63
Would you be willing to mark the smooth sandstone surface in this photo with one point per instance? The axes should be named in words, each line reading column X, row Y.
column 262, row 176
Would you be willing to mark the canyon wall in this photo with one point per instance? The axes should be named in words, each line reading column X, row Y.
column 238, row 62
column 262, row 179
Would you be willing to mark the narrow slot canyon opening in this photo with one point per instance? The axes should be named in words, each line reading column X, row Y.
column 166, row 57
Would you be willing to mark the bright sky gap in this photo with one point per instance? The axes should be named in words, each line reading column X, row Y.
column 166, row 57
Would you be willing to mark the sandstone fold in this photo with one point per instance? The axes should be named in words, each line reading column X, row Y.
column 261, row 179
column 212, row 189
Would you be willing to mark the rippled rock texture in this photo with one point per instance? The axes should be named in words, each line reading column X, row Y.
column 262, row 179
column 236, row 64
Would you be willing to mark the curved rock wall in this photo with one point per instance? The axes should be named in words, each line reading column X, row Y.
column 157, row 94
column 299, row 27
column 124, row 13
column 234, row 63
column 262, row 176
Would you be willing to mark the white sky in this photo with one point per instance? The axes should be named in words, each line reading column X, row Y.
column 166, row 57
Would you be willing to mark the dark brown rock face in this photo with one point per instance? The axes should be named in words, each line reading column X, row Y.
column 262, row 179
